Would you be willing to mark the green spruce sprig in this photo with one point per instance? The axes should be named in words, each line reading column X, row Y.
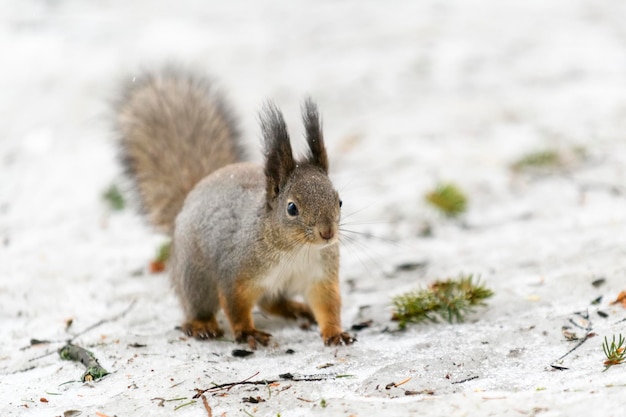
column 449, row 300
column 615, row 352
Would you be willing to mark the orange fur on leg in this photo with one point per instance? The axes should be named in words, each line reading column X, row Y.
column 238, row 308
column 325, row 302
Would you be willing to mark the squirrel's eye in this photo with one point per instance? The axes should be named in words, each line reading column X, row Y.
column 340, row 203
column 292, row 209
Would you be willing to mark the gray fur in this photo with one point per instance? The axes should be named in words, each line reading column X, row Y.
column 174, row 129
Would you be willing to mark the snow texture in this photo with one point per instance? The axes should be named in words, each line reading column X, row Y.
column 413, row 93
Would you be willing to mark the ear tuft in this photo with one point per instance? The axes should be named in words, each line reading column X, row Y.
column 279, row 162
column 314, row 135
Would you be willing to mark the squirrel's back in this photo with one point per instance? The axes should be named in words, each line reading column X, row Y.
column 175, row 130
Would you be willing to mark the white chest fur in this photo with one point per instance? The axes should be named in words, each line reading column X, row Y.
column 295, row 272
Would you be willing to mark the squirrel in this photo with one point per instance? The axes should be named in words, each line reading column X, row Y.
column 242, row 233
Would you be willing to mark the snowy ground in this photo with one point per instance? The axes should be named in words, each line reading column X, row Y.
column 412, row 93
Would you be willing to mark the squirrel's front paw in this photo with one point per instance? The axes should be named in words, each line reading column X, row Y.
column 252, row 337
column 202, row 329
column 343, row 338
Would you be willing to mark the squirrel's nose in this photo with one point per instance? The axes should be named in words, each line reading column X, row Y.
column 326, row 234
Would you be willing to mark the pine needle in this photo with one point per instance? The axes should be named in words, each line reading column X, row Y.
column 449, row 300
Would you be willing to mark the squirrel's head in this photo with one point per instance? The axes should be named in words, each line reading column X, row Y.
column 299, row 194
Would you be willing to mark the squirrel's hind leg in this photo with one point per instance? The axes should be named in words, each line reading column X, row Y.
column 199, row 298
column 289, row 309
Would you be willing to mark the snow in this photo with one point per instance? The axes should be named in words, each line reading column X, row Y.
column 412, row 94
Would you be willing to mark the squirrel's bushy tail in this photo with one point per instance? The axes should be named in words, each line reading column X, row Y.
column 175, row 130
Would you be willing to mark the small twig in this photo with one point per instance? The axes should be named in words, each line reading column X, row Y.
column 313, row 377
column 422, row 392
column 579, row 344
column 229, row 385
column 394, row 384
column 76, row 353
column 588, row 333
column 283, row 377
column 250, row 377
column 161, row 401
column 471, row 378
column 206, row 405
column 253, row 400
column 52, row 352
column 304, row 399
column 36, row 342
column 579, row 326
column 19, row 371
column 177, row 384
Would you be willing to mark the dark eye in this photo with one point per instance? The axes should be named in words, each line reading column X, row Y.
column 340, row 203
column 292, row 209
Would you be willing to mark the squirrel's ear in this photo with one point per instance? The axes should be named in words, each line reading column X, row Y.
column 314, row 135
column 279, row 163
